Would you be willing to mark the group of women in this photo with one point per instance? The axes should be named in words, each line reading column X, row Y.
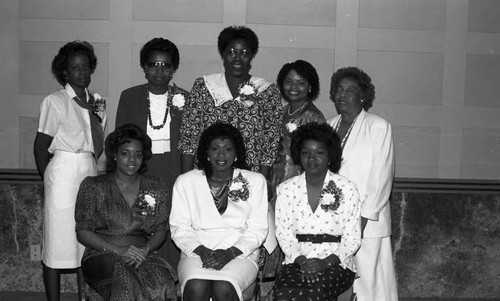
column 191, row 177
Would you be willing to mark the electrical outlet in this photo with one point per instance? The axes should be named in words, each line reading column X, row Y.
column 35, row 253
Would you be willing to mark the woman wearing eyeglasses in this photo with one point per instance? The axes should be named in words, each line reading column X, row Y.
column 157, row 108
column 249, row 103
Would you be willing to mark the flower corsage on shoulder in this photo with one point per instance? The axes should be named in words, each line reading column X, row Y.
column 178, row 101
column 291, row 126
column 246, row 91
column 98, row 106
column 238, row 190
column 146, row 203
column 331, row 196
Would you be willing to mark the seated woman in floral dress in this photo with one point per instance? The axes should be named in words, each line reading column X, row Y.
column 219, row 218
column 122, row 219
column 317, row 220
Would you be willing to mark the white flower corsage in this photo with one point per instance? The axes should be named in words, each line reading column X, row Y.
column 238, row 190
column 330, row 197
column 179, row 101
column 290, row 126
column 146, row 204
column 98, row 106
column 246, row 91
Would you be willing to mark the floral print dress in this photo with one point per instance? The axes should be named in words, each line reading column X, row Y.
column 101, row 208
column 256, row 112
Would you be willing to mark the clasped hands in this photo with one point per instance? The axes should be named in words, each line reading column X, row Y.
column 312, row 268
column 215, row 259
column 133, row 255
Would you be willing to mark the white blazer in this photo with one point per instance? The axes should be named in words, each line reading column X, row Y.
column 368, row 161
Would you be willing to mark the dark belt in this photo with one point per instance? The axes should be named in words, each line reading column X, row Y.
column 318, row 238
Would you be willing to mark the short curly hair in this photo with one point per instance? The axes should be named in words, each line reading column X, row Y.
column 125, row 134
column 237, row 32
column 304, row 69
column 161, row 45
column 221, row 130
column 321, row 133
column 60, row 61
column 364, row 81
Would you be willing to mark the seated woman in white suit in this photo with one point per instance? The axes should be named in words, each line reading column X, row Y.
column 219, row 218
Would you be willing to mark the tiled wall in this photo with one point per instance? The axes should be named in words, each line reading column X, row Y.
column 435, row 63
column 445, row 243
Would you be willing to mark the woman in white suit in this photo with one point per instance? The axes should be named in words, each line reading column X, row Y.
column 219, row 218
column 368, row 161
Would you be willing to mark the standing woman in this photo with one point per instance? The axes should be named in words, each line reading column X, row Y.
column 157, row 108
column 251, row 104
column 368, row 161
column 299, row 84
column 68, row 143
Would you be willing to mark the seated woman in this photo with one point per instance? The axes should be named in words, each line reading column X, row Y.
column 219, row 218
column 317, row 220
column 122, row 219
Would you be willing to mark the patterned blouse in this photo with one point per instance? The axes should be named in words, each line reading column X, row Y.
column 256, row 112
column 284, row 168
column 337, row 214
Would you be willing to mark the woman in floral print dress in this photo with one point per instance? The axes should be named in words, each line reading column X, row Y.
column 122, row 220
column 317, row 220
column 299, row 84
column 249, row 103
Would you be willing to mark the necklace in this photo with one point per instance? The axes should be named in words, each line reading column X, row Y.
column 289, row 106
column 150, row 120
column 337, row 127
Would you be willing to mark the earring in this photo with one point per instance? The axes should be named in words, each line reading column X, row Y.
column 235, row 159
column 310, row 89
column 208, row 159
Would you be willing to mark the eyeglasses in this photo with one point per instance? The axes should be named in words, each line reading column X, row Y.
column 244, row 53
column 79, row 68
column 160, row 65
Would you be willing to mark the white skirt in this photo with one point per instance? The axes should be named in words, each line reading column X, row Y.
column 240, row 272
column 62, row 178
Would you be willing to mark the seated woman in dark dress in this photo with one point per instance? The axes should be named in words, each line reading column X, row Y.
column 122, row 219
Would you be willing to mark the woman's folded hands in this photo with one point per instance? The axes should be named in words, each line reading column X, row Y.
column 216, row 259
column 133, row 255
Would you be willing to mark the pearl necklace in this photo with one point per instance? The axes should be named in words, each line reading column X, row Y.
column 337, row 127
column 150, row 120
column 289, row 106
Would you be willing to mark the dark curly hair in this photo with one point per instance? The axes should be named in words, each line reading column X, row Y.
column 321, row 133
column 364, row 81
column 162, row 45
column 304, row 69
column 221, row 130
column 237, row 32
column 60, row 61
column 125, row 134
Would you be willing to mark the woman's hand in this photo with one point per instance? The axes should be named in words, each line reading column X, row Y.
column 205, row 255
column 133, row 255
column 221, row 257
column 313, row 268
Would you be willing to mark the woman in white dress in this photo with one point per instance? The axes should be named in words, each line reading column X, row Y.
column 368, row 161
column 317, row 220
column 68, row 142
column 219, row 218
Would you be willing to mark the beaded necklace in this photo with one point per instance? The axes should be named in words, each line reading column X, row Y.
column 337, row 127
column 150, row 120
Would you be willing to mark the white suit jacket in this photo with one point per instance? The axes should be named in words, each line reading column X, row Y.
column 194, row 219
column 368, row 161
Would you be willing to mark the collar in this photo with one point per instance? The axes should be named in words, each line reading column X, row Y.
column 71, row 92
column 217, row 86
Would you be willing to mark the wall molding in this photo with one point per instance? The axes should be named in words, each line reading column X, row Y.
column 30, row 176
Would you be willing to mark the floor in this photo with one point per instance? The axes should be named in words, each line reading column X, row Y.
column 34, row 296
